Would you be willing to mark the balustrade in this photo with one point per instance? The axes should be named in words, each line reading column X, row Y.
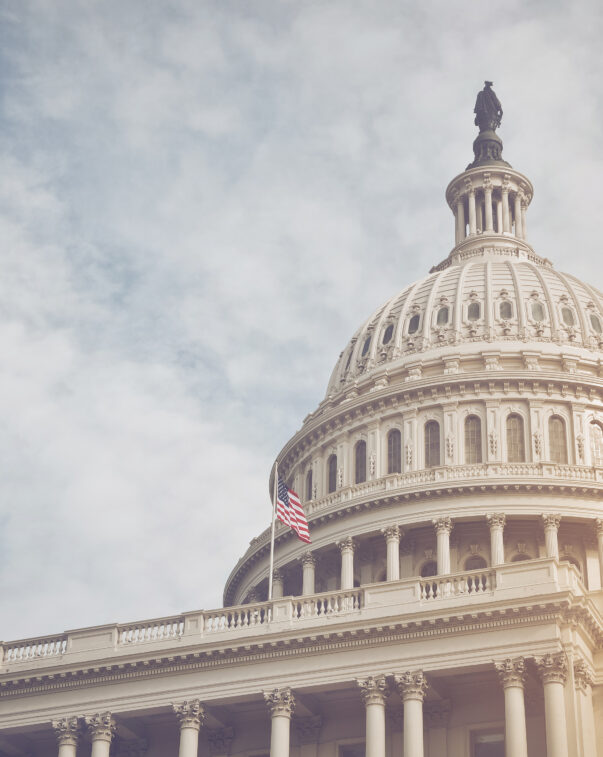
column 150, row 630
column 28, row 649
column 326, row 604
column 455, row 585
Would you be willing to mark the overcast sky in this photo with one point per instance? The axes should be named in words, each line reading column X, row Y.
column 199, row 203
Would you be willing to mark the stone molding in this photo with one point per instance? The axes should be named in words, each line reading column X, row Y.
column 280, row 701
column 411, row 685
column 347, row 545
column 190, row 713
column 496, row 520
column 512, row 672
column 392, row 533
column 67, row 730
column 552, row 668
column 583, row 675
column 443, row 525
column 307, row 730
column 220, row 740
column 551, row 520
column 101, row 726
column 373, row 689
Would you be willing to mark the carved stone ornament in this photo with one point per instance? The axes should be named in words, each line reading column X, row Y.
column 474, row 549
column 67, row 731
column 493, row 441
column 450, row 446
column 190, row 713
column 496, row 520
column 372, row 463
column 521, row 547
column 599, row 526
column 308, row 560
column 550, row 521
column 280, row 701
column 373, row 689
column 408, row 454
column 347, row 544
column 339, row 477
column 552, row 668
column 391, row 533
column 537, row 442
column 442, row 525
column 512, row 672
column 411, row 685
column 101, row 726
column 307, row 730
column 220, row 740
column 583, row 675
column 580, row 447
column 277, row 575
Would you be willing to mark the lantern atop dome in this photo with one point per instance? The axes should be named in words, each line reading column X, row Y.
column 487, row 147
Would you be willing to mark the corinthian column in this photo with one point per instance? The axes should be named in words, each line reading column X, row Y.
column 373, row 691
column 553, row 672
column 277, row 583
column 309, row 570
column 551, row 527
column 392, row 539
column 512, row 676
column 488, row 204
column 412, row 688
column 443, row 527
column 282, row 704
column 67, row 731
column 496, row 522
column 599, row 528
column 347, row 547
column 190, row 715
column 101, row 728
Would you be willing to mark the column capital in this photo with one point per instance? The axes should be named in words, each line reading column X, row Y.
column 392, row 533
column 307, row 729
column 101, row 726
column 280, row 701
column 373, row 689
column 277, row 575
column 411, row 685
column 67, row 730
column 551, row 520
column 220, row 740
column 552, row 668
column 347, row 544
column 583, row 675
column 511, row 672
column 599, row 526
column 442, row 525
column 190, row 713
column 308, row 560
column 496, row 520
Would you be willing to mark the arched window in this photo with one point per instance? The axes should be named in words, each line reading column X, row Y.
column 442, row 317
column 309, row 492
column 473, row 311
column 349, row 360
column 332, row 471
column 595, row 322
column 557, row 439
column 475, row 562
column 516, row 450
column 394, row 451
column 506, row 310
column 568, row 316
column 596, row 444
column 360, row 462
column 413, row 324
column 388, row 333
column 473, row 439
column 432, row 444
column 429, row 569
column 538, row 311
column 365, row 346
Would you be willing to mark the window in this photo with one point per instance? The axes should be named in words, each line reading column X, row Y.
column 388, row 333
column 349, row 360
column 442, row 317
column 332, row 471
column 413, row 324
column 595, row 323
column 538, row 311
column 360, row 460
column 568, row 316
column 475, row 562
column 473, row 311
column 432, row 444
column 429, row 569
column 473, row 439
column 557, row 440
column 309, row 485
column 365, row 346
column 516, row 451
column 394, row 451
column 506, row 310
column 596, row 444
column 488, row 745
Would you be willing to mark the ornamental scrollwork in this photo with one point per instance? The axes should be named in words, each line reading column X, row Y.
column 280, row 701
column 67, row 730
column 373, row 689
column 442, row 525
column 190, row 713
column 551, row 521
column 346, row 545
column 496, row 520
column 101, row 726
column 391, row 533
column 552, row 668
column 583, row 675
column 411, row 685
column 511, row 672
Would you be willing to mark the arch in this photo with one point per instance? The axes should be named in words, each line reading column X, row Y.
column 473, row 439
column 475, row 562
column 442, row 316
column 596, row 444
column 309, row 485
column 505, row 310
column 388, row 333
column 474, row 311
column 429, row 568
column 332, row 473
column 360, row 462
column 432, row 444
column 516, row 446
column 557, row 440
column 394, row 451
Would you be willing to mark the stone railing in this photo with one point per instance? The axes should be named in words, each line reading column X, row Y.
column 385, row 600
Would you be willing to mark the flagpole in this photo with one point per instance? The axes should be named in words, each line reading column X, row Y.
column 274, row 495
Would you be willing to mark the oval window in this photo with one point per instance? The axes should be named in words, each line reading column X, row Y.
column 388, row 333
column 537, row 311
column 568, row 316
column 506, row 310
column 366, row 345
column 442, row 318
column 595, row 323
column 473, row 311
column 413, row 324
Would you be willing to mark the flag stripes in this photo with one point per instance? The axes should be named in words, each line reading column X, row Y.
column 290, row 512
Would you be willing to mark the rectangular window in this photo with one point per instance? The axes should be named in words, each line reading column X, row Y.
column 488, row 745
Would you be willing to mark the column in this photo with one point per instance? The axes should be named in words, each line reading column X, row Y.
column 277, row 583
column 392, row 540
column 101, row 728
column 496, row 522
column 190, row 715
column 443, row 527
column 512, row 676
column 309, row 571
column 599, row 528
column 551, row 527
column 347, row 547
column 524, row 207
column 67, row 731
column 412, row 688
column 499, row 216
column 488, row 205
column 374, row 689
column 517, row 211
column 505, row 207
column 553, row 672
column 472, row 216
column 436, row 715
column 281, row 703
column 583, row 679
column 460, row 219
column 220, row 741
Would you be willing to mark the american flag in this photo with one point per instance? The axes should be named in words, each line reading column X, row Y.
column 290, row 511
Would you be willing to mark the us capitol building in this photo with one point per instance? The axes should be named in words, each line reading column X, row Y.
column 450, row 604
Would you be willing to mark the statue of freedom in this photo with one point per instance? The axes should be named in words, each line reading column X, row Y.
column 488, row 110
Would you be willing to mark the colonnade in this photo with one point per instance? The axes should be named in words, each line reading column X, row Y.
column 477, row 211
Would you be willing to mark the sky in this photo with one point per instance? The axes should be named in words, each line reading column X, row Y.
column 200, row 202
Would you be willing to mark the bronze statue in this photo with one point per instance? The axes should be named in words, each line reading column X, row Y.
column 488, row 111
